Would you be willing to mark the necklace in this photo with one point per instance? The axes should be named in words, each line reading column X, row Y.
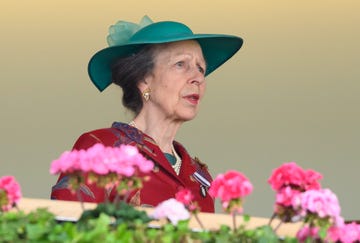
column 178, row 162
column 133, row 124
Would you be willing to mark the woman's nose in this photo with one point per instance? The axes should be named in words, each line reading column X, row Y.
column 196, row 81
column 197, row 77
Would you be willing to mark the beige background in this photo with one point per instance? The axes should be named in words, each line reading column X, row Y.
column 290, row 94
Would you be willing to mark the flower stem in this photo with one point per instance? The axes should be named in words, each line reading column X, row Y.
column 106, row 196
column 117, row 198
column 198, row 220
column 234, row 221
column 272, row 218
column 277, row 226
column 79, row 196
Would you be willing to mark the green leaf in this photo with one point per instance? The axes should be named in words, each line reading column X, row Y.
column 121, row 223
column 246, row 218
column 322, row 232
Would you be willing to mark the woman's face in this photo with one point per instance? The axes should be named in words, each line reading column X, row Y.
column 177, row 82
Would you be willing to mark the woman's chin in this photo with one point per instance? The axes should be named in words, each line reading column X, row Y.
column 188, row 117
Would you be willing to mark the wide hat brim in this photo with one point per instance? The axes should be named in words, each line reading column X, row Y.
column 216, row 48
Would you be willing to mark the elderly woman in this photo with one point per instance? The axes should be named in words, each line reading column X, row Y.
column 161, row 68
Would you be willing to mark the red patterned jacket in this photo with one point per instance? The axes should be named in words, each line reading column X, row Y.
column 163, row 183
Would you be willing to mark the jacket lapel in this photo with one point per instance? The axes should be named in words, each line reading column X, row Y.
column 148, row 147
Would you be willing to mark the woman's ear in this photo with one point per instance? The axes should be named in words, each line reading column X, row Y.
column 143, row 85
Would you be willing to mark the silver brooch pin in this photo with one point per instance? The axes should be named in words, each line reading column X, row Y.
column 203, row 190
column 204, row 183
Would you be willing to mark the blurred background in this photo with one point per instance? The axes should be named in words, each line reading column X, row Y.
column 290, row 94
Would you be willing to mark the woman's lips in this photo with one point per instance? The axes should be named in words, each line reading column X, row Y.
column 192, row 98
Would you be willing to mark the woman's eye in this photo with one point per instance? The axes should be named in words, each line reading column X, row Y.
column 201, row 69
column 180, row 63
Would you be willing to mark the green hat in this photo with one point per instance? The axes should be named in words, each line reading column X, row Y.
column 126, row 38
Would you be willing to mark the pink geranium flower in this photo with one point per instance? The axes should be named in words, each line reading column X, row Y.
column 10, row 192
column 289, row 181
column 346, row 233
column 184, row 196
column 100, row 160
column 322, row 203
column 286, row 195
column 108, row 167
column 311, row 180
column 230, row 187
column 288, row 174
column 131, row 153
column 307, row 233
column 172, row 210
